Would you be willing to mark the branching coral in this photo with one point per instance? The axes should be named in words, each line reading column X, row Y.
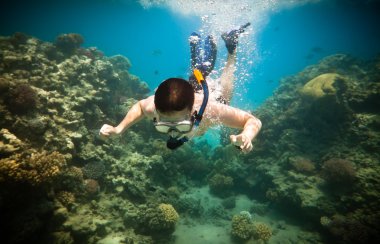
column 37, row 168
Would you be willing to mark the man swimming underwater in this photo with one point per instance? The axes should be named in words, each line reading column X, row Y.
column 184, row 109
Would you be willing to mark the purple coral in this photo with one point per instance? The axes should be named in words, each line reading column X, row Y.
column 338, row 171
column 22, row 98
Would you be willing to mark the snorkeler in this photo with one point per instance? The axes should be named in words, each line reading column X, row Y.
column 184, row 109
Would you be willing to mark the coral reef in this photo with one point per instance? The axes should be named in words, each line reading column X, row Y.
column 323, row 163
column 321, row 130
column 54, row 97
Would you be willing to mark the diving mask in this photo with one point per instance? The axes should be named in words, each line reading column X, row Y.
column 182, row 127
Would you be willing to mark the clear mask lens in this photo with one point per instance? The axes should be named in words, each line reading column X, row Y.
column 166, row 127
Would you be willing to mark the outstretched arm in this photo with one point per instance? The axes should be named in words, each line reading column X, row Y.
column 134, row 115
column 236, row 118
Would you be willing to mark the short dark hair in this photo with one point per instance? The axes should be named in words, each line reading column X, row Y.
column 174, row 94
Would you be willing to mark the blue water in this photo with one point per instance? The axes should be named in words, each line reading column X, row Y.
column 155, row 39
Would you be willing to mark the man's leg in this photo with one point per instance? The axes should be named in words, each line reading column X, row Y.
column 227, row 78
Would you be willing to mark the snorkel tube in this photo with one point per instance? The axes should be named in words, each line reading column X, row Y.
column 201, row 81
column 174, row 143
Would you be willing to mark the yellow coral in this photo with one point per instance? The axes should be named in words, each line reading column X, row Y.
column 262, row 231
column 242, row 226
column 169, row 214
column 320, row 86
column 37, row 168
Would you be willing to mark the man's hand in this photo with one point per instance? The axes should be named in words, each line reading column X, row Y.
column 107, row 130
column 242, row 141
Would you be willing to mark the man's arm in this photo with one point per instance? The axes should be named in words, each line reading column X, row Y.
column 134, row 115
column 236, row 118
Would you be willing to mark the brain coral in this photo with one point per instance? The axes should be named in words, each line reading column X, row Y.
column 321, row 86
